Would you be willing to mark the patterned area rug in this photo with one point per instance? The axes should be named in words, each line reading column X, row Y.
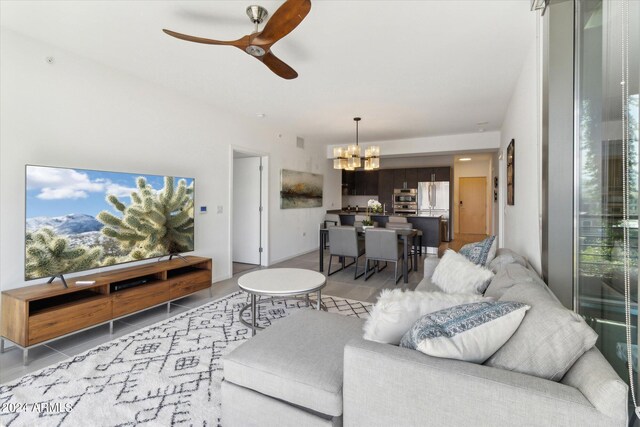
column 166, row 374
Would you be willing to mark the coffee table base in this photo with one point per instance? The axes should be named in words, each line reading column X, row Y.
column 254, row 305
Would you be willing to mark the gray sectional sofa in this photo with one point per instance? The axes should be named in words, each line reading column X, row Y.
column 314, row 369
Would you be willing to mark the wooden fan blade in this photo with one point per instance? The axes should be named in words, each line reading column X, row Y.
column 283, row 21
column 278, row 67
column 241, row 43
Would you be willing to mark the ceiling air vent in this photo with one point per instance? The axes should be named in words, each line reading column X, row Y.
column 300, row 142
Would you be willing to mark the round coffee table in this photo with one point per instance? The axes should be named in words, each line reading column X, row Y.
column 279, row 283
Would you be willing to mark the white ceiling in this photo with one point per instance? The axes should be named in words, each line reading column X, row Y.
column 409, row 68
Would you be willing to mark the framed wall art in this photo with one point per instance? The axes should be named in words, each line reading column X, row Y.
column 511, row 173
column 300, row 189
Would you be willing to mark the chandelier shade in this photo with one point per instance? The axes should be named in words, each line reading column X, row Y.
column 350, row 157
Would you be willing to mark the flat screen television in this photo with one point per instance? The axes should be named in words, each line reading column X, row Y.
column 79, row 219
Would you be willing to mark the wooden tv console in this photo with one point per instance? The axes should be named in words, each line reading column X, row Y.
column 37, row 314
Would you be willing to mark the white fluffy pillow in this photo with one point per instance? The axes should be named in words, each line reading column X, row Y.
column 396, row 311
column 455, row 274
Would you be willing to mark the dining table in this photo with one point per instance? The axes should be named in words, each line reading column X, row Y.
column 407, row 236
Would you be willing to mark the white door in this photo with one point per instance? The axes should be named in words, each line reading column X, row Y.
column 246, row 210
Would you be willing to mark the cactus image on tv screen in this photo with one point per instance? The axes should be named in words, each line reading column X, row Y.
column 79, row 219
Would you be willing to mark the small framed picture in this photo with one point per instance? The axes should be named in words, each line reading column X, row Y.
column 511, row 172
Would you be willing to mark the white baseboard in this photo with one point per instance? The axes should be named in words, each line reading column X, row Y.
column 287, row 258
column 222, row 278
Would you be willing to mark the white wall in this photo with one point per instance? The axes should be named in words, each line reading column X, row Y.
column 521, row 222
column 78, row 113
column 473, row 169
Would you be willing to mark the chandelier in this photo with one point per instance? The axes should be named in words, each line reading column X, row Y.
column 349, row 157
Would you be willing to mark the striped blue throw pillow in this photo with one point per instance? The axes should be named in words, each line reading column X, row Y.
column 479, row 252
column 470, row 332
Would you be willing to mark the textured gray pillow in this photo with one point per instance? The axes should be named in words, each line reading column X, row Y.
column 550, row 338
column 507, row 277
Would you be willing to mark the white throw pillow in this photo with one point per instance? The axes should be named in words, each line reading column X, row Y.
column 470, row 332
column 395, row 312
column 455, row 274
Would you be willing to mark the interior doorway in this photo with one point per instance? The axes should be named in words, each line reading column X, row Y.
column 473, row 205
column 247, row 211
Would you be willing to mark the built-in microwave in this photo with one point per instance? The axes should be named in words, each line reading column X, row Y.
column 410, row 209
column 405, row 196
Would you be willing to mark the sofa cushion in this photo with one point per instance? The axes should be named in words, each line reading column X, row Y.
column 455, row 274
column 298, row 359
column 470, row 332
column 507, row 277
column 481, row 252
column 505, row 257
column 427, row 285
column 396, row 310
column 549, row 340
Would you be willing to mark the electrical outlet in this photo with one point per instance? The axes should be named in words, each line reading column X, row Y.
column 219, row 209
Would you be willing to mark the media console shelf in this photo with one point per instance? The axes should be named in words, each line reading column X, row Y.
column 35, row 315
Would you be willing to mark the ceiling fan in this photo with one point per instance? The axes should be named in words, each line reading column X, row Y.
column 258, row 44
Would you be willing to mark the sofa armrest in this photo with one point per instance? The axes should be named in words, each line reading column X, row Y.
column 388, row 385
column 430, row 264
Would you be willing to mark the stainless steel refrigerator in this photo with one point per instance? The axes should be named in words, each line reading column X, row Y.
column 434, row 200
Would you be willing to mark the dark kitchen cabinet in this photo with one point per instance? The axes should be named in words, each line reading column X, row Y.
column 443, row 174
column 405, row 178
column 348, row 182
column 371, row 183
column 411, row 178
column 360, row 183
column 424, row 174
column 385, row 188
column 398, row 178
column 434, row 174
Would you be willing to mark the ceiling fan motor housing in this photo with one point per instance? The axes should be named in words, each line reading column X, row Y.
column 257, row 14
column 254, row 50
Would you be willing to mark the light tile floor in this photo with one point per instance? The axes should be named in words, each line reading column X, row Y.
column 340, row 284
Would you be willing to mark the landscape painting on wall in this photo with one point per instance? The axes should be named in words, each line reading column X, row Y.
column 300, row 190
column 78, row 219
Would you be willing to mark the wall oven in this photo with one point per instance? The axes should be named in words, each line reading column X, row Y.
column 405, row 209
column 404, row 196
column 405, row 201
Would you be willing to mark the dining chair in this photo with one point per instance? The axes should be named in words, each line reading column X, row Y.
column 330, row 220
column 406, row 226
column 345, row 244
column 381, row 244
column 402, row 219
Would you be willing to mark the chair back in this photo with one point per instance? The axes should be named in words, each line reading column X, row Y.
column 399, row 226
column 331, row 220
column 382, row 244
column 399, row 219
column 344, row 241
